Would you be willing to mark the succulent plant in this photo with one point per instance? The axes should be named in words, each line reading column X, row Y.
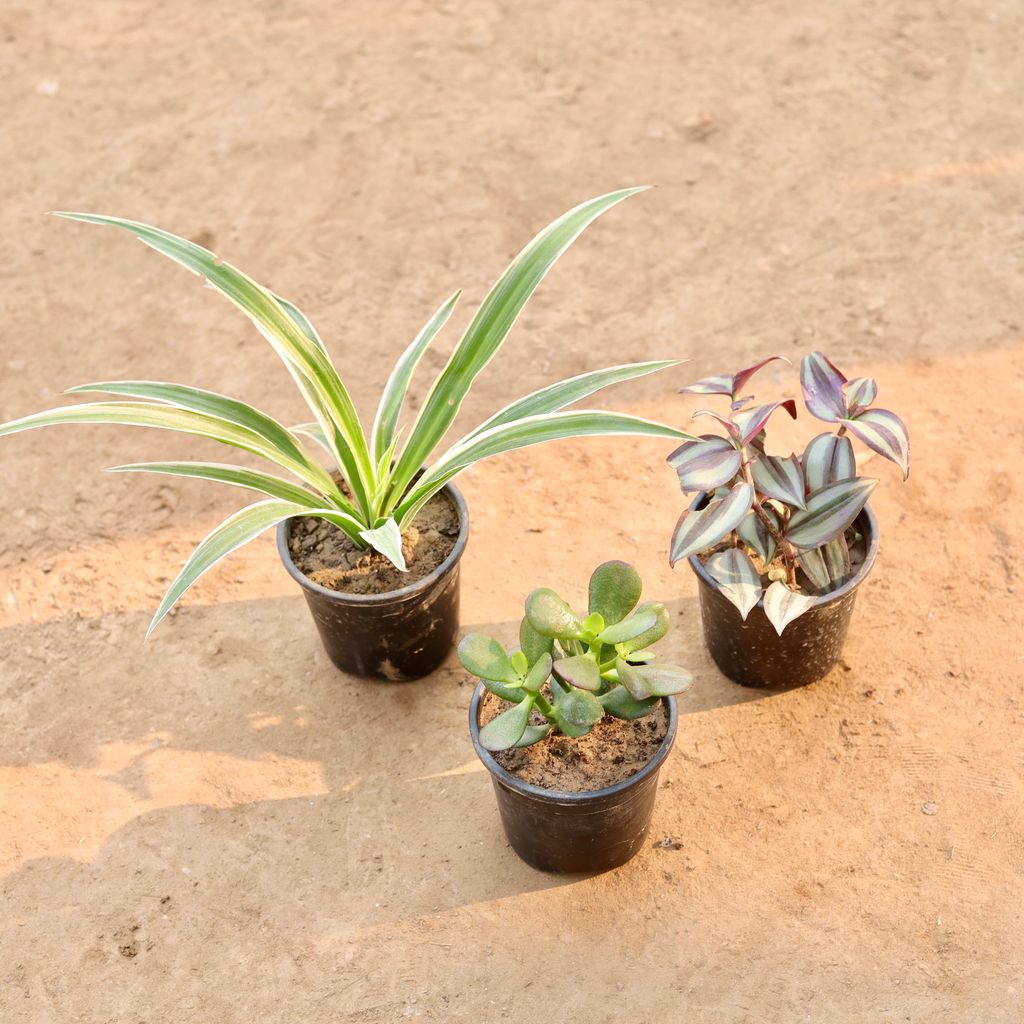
column 573, row 671
column 789, row 512
column 386, row 479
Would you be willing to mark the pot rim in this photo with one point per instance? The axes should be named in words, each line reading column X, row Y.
column 402, row 593
column 871, row 532
column 559, row 796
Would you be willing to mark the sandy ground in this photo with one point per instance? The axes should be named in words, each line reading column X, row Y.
column 217, row 826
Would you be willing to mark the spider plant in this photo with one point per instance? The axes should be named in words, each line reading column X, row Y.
column 386, row 476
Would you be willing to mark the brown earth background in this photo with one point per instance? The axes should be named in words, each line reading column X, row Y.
column 217, row 825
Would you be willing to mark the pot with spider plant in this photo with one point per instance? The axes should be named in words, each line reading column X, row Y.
column 373, row 538
column 781, row 544
column 575, row 724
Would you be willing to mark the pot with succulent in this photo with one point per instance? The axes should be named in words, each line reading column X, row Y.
column 383, row 592
column 574, row 725
column 779, row 544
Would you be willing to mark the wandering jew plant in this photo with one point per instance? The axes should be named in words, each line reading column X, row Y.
column 767, row 515
column 386, row 479
column 602, row 664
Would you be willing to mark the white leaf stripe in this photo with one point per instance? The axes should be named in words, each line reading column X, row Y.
column 698, row 530
column 822, row 386
column 737, row 579
column 705, row 464
column 885, row 433
column 387, row 539
column 829, row 512
column 783, row 605
column 780, row 478
column 828, row 459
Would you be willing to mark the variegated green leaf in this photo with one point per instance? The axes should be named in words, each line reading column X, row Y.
column 827, row 460
column 706, row 463
column 737, row 579
column 883, row 432
column 829, row 512
column 783, row 605
column 507, row 729
column 614, row 590
column 581, row 671
column 780, row 478
column 387, row 539
column 698, row 530
column 550, row 616
column 485, row 658
column 822, row 385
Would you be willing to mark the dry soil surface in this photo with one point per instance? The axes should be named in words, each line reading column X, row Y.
column 217, row 825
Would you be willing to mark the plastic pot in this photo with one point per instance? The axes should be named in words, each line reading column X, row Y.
column 401, row 635
column 751, row 653
column 575, row 833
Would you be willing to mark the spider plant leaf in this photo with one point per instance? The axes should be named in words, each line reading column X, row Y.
column 237, row 476
column 706, row 463
column 210, row 403
column 614, row 590
column 779, row 478
column 822, row 385
column 700, row 529
column 783, row 605
column 300, row 320
column 580, row 671
column 533, row 734
column 567, row 392
column 235, row 531
column 650, row 636
column 628, row 629
column 508, row 728
column 484, row 657
column 521, row 434
column 828, row 459
column 550, row 616
column 577, row 712
column 533, row 644
column 883, row 432
column 737, row 579
column 489, row 328
column 829, row 512
column 753, row 532
column 393, row 396
column 315, row 433
column 387, row 539
column 621, row 704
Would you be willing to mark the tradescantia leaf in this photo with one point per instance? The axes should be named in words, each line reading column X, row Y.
column 783, row 605
column 644, row 681
column 883, row 432
column 533, row 644
column 393, row 396
column 727, row 383
column 614, row 590
column 581, row 671
column 750, row 422
column 508, row 728
column 650, row 636
column 740, row 379
column 836, row 554
column 813, row 564
column 829, row 512
column 387, row 539
column 827, row 460
column 486, row 658
column 698, row 530
column 737, row 579
column 489, row 328
column 860, row 393
column 629, row 629
column 577, row 712
column 753, row 532
column 622, row 704
column 780, row 478
column 731, row 428
column 705, row 464
column 550, row 616
column 822, row 385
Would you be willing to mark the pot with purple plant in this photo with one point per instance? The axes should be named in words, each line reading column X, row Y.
column 781, row 544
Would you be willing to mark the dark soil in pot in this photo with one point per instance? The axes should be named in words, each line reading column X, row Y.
column 374, row 620
column 578, row 830
column 751, row 653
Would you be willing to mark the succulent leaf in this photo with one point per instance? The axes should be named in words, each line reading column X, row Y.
column 737, row 579
column 883, row 432
column 822, row 385
column 662, row 621
column 533, row 734
column 533, row 644
column 628, row 629
column 577, row 712
column 484, row 657
column 581, row 671
column 621, row 704
column 705, row 464
column 615, row 588
column 538, row 674
column 700, row 529
column 507, row 729
column 551, row 616
column 780, row 478
column 645, row 681
column 783, row 605
column 827, row 460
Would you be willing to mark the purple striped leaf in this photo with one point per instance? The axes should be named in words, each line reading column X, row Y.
column 813, row 564
column 783, row 605
column 719, row 385
column 750, row 422
column 727, row 423
column 705, row 464
column 822, row 386
column 756, row 535
column 741, row 378
column 827, row 460
column 829, row 512
column 828, row 566
column 860, row 393
column 780, row 478
column 698, row 530
column 885, row 433
column 737, row 579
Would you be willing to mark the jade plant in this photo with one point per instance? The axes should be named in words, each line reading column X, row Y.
column 569, row 672
column 382, row 479
column 768, row 516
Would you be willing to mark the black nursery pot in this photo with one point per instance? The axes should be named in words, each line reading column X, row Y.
column 401, row 635
column 753, row 654
column 575, row 833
